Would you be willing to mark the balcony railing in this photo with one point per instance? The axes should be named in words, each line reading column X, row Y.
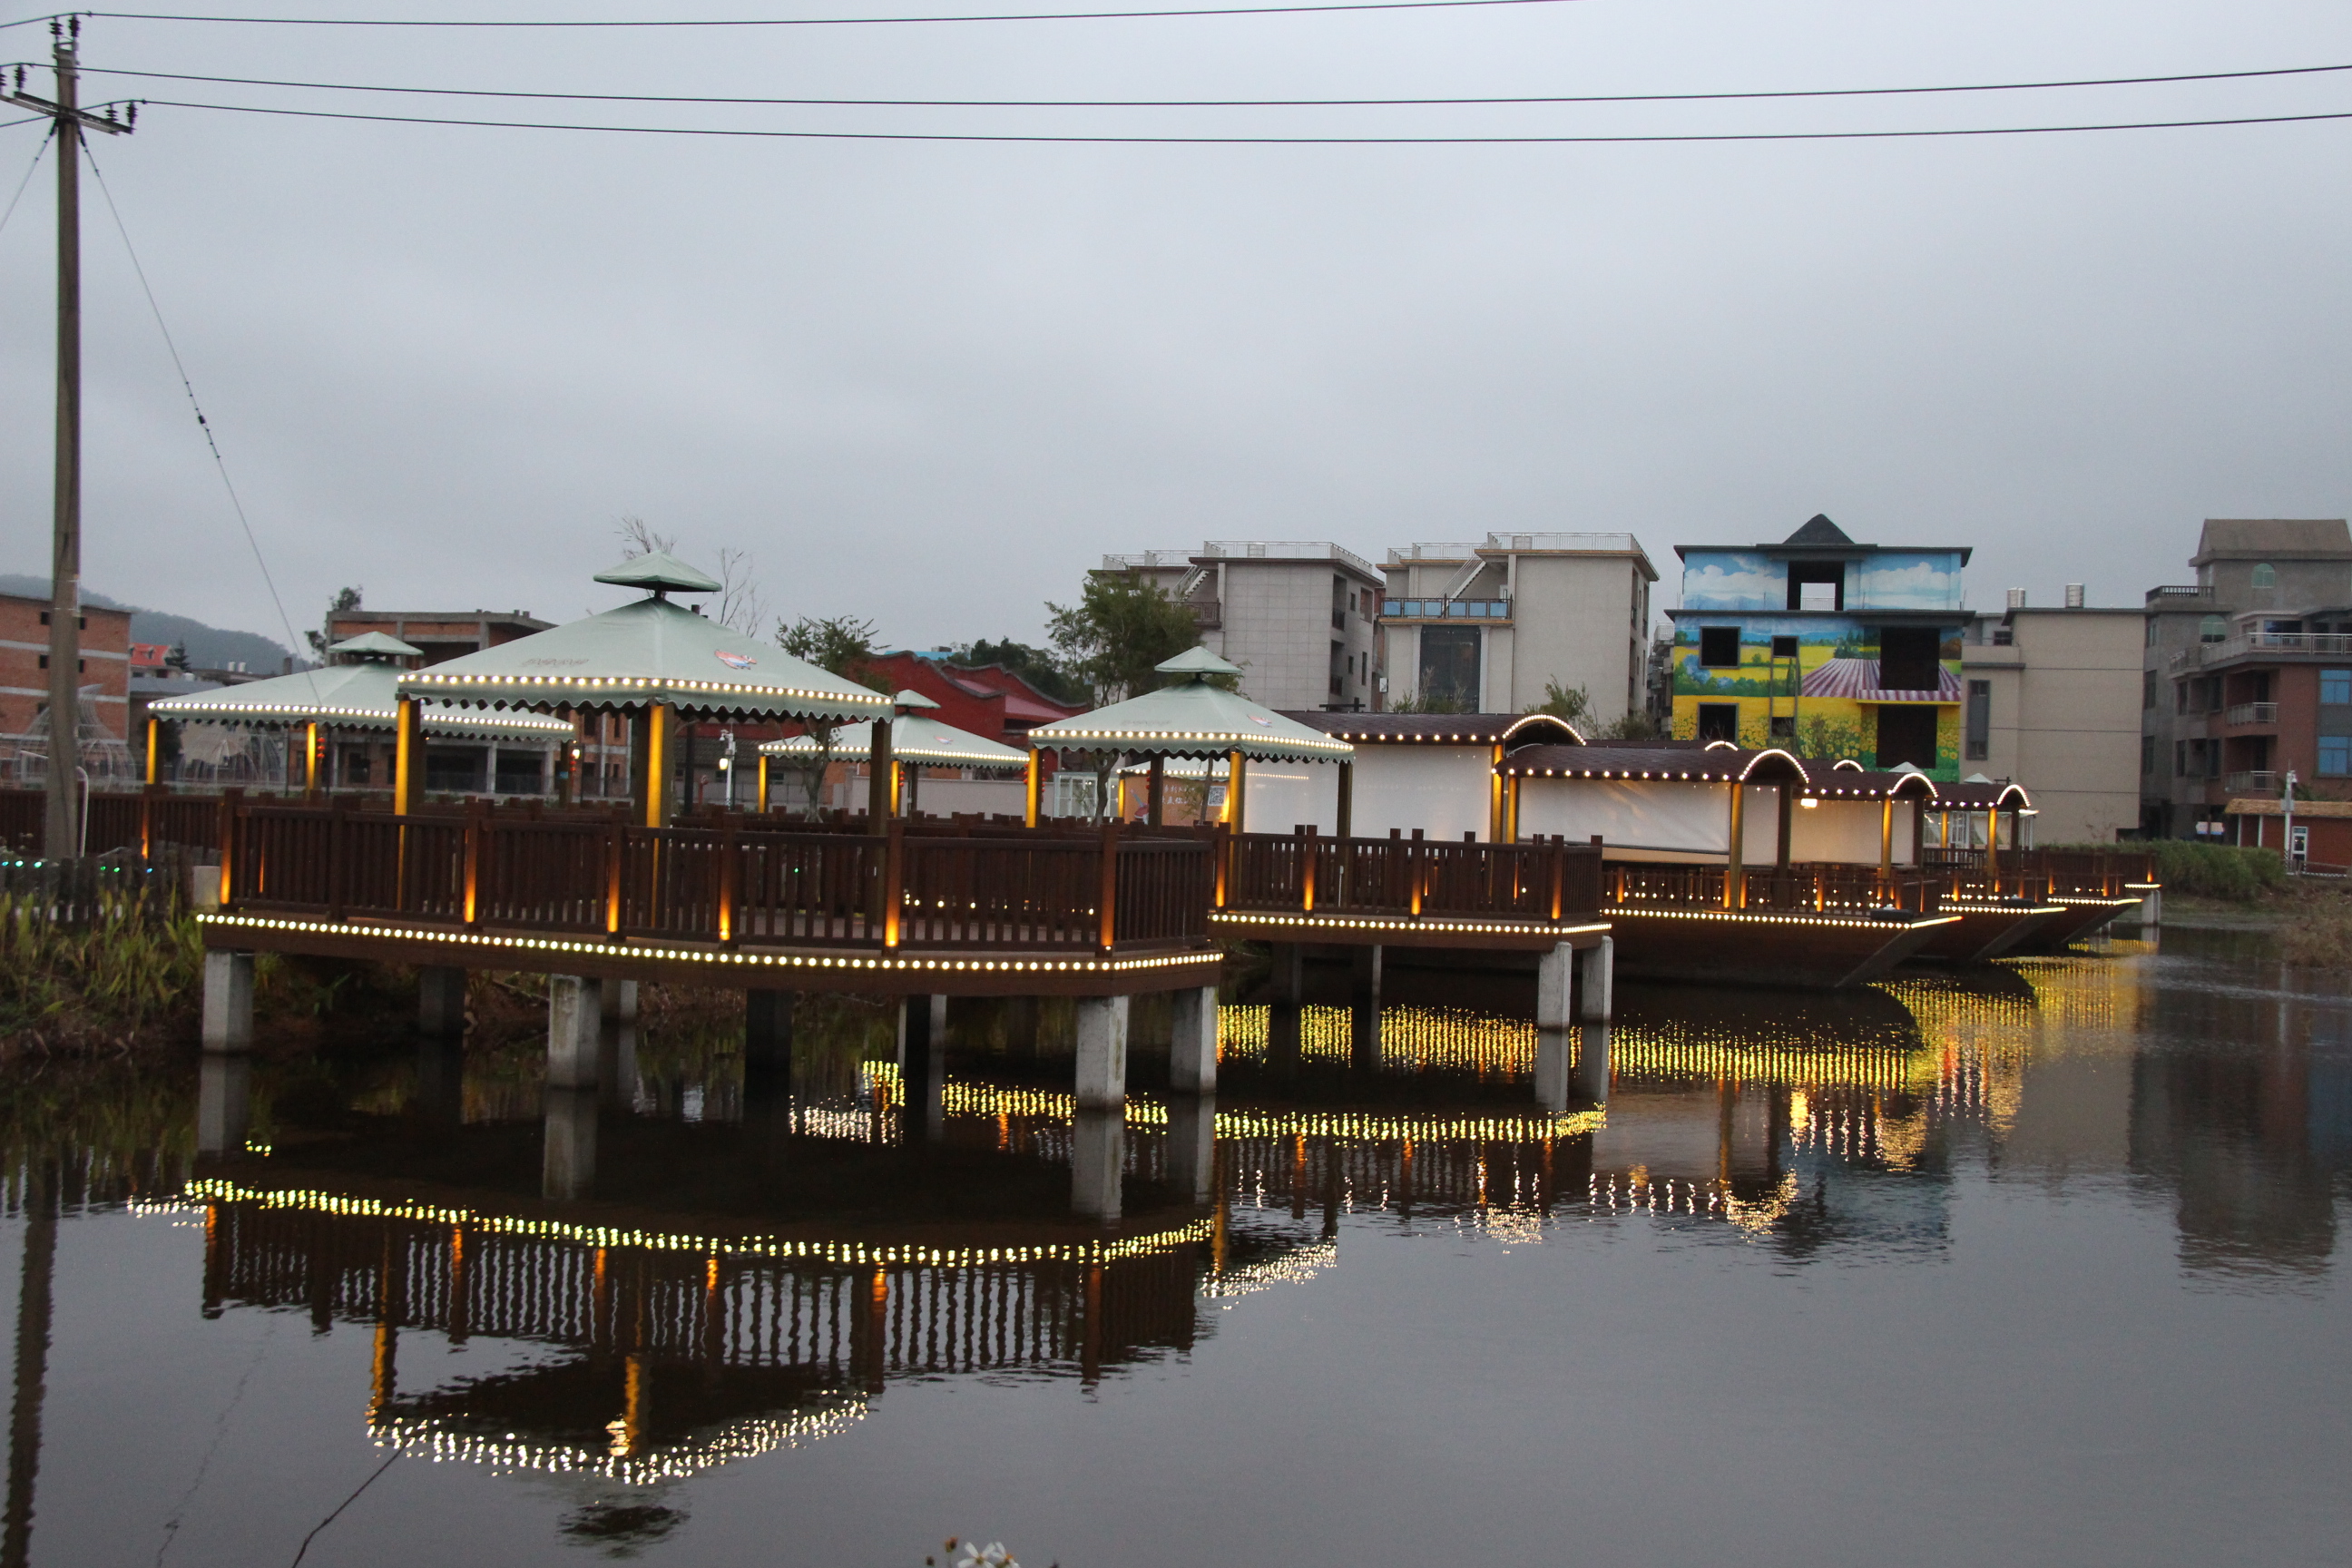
column 2251, row 713
column 2257, row 782
column 2288, row 645
column 1448, row 609
column 2177, row 591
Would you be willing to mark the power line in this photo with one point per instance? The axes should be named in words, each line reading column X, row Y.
column 293, row 643
column 1229, row 102
column 26, row 181
column 1263, row 140
column 824, row 21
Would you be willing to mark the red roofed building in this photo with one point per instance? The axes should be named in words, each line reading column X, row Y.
column 985, row 699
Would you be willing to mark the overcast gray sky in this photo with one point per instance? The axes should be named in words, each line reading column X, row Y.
column 931, row 383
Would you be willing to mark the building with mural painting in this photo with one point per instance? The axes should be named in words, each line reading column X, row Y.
column 1830, row 648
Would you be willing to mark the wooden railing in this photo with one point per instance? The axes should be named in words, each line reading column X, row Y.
column 1814, row 888
column 598, row 874
column 1547, row 880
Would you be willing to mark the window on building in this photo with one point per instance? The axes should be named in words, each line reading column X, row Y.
column 2335, row 756
column 2148, row 689
column 1718, row 722
column 2181, row 759
column 1338, row 680
column 1719, row 647
column 1784, row 647
column 1909, row 659
column 1817, row 585
column 1784, row 728
column 2266, row 575
column 1979, row 720
column 2148, row 636
column 2147, row 755
column 2212, row 629
column 1449, row 666
column 2336, row 687
column 1906, row 733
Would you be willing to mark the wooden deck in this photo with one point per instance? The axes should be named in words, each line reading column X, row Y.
column 1409, row 892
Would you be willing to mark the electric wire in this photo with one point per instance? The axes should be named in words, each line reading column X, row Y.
column 304, row 1550
column 22, row 184
column 1153, row 14
column 1175, row 140
column 236, row 502
column 1225, row 102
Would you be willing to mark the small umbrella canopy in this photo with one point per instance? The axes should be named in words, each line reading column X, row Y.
column 913, row 739
column 1192, row 719
column 643, row 653
column 362, row 696
column 375, row 644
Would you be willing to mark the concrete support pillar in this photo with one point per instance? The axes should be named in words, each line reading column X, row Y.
column 1097, row 1161
column 617, row 1000
column 228, row 1001
column 767, row 1042
column 1554, row 1055
column 2151, row 908
column 922, row 1064
column 1596, row 981
column 1555, row 988
column 1192, row 1146
column 1102, row 1053
column 1289, row 973
column 1364, row 965
column 568, row 1158
column 224, row 1103
column 1192, row 1045
column 572, row 1020
column 440, row 1098
column 440, row 1001
column 1592, row 1081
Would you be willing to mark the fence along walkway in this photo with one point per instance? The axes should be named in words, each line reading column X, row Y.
column 593, row 873
column 1544, row 881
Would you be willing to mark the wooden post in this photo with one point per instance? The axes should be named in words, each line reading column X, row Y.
column 154, row 752
column 407, row 757
column 894, row 879
column 616, row 834
column 1109, row 890
column 473, row 857
column 1347, row 827
column 147, row 818
column 1735, row 875
column 1992, row 849
column 761, row 804
column 1885, row 843
column 1034, row 787
column 229, row 805
column 657, row 785
column 1221, row 851
column 1155, row 796
column 1307, row 870
column 1236, row 787
column 1494, row 797
column 881, row 778
column 311, row 760
column 1510, row 810
column 727, row 875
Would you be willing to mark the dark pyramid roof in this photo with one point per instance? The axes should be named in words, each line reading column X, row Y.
column 1820, row 530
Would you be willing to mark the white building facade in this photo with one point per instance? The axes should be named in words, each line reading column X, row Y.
column 1300, row 617
column 1489, row 628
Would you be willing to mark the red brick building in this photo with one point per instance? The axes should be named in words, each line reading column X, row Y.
column 25, row 666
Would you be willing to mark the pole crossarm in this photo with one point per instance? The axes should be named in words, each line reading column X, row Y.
column 58, row 111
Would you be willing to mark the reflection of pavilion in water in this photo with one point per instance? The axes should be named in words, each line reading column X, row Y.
column 674, row 1353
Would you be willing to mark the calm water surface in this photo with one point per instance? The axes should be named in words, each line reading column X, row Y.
column 2034, row 1265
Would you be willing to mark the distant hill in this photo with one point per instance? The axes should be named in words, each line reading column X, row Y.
column 209, row 647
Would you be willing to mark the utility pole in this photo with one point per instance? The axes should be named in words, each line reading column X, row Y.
column 61, row 833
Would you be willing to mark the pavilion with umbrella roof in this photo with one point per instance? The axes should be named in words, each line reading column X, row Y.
column 359, row 690
column 913, row 738
column 655, row 662
column 1190, row 717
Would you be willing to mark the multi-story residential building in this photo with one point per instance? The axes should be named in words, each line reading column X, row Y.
column 1300, row 618
column 1492, row 627
column 2247, row 672
column 25, row 681
column 2052, row 701
column 1835, row 648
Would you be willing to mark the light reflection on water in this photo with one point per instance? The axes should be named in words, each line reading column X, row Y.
column 829, row 1317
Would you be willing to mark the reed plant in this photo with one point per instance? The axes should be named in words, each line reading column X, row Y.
column 2320, row 934
column 131, row 969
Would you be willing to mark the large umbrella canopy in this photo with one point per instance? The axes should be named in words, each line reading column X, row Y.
column 643, row 653
column 913, row 739
column 1192, row 717
column 359, row 696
